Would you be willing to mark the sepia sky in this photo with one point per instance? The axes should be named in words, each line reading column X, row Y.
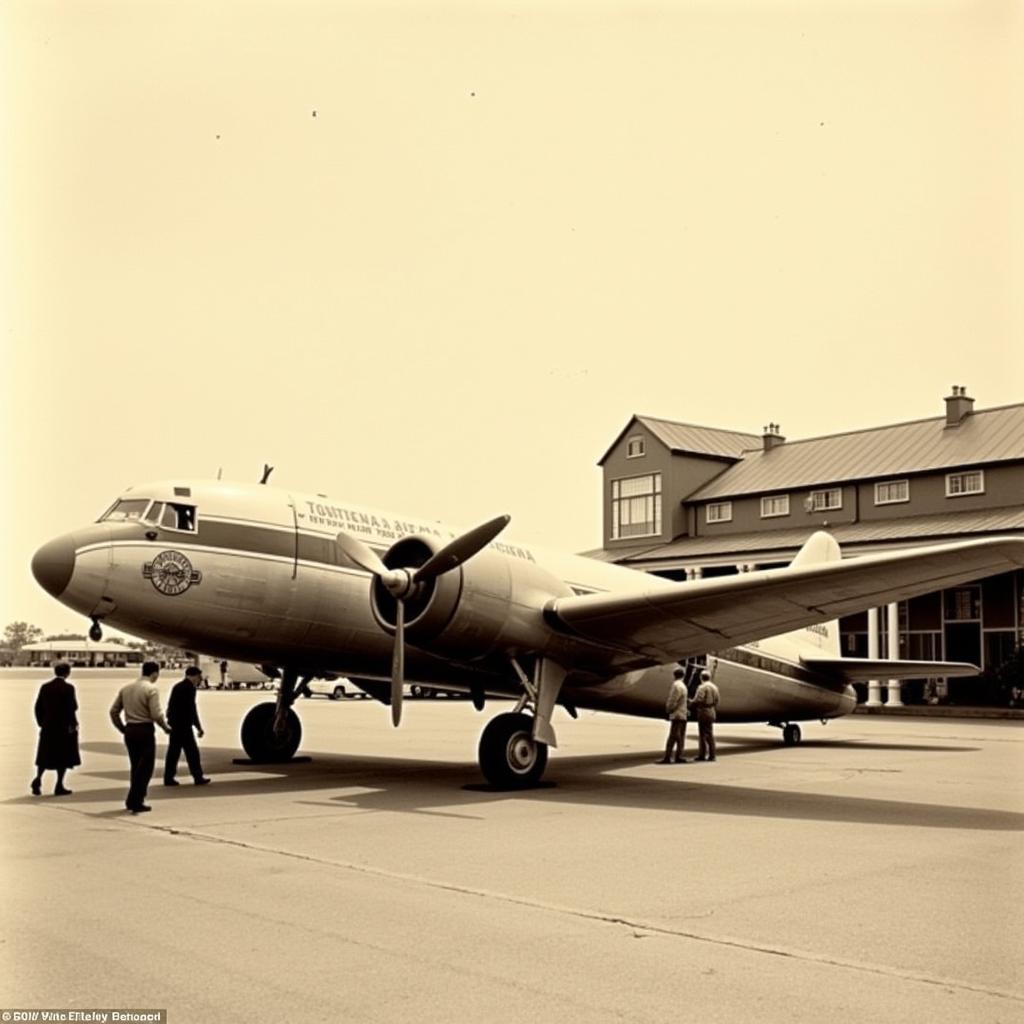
column 431, row 257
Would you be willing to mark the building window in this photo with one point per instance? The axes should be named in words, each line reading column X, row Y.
column 775, row 505
column 826, row 501
column 719, row 512
column 635, row 448
column 965, row 483
column 892, row 492
column 636, row 506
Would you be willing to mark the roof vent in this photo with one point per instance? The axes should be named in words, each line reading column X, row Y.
column 771, row 437
column 958, row 405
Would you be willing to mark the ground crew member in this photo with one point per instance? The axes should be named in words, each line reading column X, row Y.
column 182, row 715
column 676, row 710
column 140, row 702
column 704, row 702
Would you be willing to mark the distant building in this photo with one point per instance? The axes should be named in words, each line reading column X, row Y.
column 685, row 501
column 79, row 654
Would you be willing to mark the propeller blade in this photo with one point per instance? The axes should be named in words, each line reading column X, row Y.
column 360, row 553
column 398, row 664
column 460, row 550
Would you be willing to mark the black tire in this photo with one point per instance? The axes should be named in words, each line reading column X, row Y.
column 509, row 756
column 259, row 740
column 791, row 734
column 338, row 693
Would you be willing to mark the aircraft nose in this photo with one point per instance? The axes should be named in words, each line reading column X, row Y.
column 53, row 564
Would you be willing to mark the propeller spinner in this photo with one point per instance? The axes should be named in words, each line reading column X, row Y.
column 403, row 583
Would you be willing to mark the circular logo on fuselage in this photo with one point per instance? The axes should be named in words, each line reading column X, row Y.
column 171, row 572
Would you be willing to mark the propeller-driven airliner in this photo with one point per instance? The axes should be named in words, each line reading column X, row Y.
column 308, row 586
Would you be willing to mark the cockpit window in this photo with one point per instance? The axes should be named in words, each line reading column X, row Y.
column 172, row 515
column 126, row 510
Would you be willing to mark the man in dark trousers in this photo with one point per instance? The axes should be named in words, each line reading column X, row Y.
column 140, row 702
column 182, row 715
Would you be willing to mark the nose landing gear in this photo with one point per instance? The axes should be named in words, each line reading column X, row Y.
column 95, row 630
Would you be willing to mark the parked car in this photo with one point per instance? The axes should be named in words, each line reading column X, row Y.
column 333, row 689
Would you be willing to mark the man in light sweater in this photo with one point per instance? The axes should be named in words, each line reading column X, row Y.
column 676, row 712
column 140, row 703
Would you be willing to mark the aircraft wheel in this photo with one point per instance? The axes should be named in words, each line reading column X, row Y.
column 791, row 734
column 261, row 743
column 509, row 755
column 337, row 693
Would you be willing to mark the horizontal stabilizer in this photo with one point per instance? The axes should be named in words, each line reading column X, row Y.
column 861, row 669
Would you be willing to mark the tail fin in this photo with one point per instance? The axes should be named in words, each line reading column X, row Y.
column 819, row 548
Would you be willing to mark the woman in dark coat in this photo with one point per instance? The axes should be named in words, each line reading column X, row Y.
column 58, row 729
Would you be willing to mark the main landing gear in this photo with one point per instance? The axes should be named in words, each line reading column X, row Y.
column 272, row 732
column 791, row 734
column 510, row 757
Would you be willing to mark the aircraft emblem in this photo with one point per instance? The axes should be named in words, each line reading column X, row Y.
column 171, row 572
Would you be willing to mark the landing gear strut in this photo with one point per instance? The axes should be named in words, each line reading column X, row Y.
column 790, row 732
column 271, row 732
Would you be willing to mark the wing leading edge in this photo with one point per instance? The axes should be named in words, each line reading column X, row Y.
column 671, row 623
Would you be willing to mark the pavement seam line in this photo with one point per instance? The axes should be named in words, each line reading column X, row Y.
column 655, row 929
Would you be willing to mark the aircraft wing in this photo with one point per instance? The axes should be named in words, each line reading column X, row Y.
column 853, row 670
column 665, row 624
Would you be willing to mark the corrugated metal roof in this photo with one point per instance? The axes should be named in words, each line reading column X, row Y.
column 688, row 437
column 983, row 437
column 933, row 528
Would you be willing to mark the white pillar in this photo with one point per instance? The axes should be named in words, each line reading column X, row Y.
column 698, row 573
column 893, row 700
column 874, row 686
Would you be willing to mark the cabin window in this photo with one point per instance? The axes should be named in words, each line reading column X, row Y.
column 636, row 506
column 892, row 492
column 826, row 501
column 126, row 510
column 965, row 483
column 774, row 505
column 635, row 448
column 719, row 512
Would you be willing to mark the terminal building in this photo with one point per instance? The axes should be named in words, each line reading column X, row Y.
column 79, row 654
column 686, row 502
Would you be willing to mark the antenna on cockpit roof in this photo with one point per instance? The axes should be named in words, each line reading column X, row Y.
column 220, row 469
column 267, row 470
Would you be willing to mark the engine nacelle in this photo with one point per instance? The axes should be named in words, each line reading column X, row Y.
column 493, row 602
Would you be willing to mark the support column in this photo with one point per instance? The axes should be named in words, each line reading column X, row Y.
column 874, row 686
column 893, row 698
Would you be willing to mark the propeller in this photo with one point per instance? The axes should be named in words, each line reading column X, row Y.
column 402, row 583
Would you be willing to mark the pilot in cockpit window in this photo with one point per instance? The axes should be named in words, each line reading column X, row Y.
column 174, row 516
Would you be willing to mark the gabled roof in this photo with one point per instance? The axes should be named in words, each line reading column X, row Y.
column 981, row 438
column 691, row 439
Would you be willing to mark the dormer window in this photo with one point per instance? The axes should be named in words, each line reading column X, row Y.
column 719, row 512
column 774, row 505
column 958, row 484
column 892, row 492
column 826, row 501
column 635, row 447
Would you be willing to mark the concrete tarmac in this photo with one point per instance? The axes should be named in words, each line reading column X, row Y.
column 873, row 873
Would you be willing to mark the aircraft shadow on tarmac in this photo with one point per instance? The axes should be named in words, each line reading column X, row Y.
column 398, row 785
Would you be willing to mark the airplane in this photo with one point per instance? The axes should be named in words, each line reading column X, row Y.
column 309, row 586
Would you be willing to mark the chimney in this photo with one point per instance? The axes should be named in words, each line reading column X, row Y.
column 772, row 437
column 958, row 405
